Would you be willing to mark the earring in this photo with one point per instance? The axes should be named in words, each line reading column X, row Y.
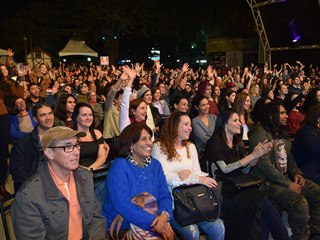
column 131, row 150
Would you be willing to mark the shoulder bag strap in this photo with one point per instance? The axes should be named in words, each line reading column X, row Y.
column 116, row 221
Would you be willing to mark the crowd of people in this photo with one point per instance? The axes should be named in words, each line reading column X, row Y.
column 159, row 128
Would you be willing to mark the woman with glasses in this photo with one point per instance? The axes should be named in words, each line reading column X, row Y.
column 93, row 152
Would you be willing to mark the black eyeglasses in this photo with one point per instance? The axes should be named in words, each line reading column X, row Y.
column 69, row 148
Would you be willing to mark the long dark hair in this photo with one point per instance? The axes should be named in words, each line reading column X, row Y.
column 220, row 130
column 6, row 90
column 129, row 136
column 76, row 113
column 60, row 111
column 270, row 120
column 196, row 103
column 223, row 102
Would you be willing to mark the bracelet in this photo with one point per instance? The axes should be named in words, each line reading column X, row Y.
column 166, row 213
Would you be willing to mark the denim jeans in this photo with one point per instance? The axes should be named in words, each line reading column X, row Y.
column 213, row 230
column 272, row 222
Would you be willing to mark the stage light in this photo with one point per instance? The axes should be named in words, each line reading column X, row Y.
column 296, row 39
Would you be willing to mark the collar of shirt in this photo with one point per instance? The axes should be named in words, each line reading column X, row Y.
column 146, row 162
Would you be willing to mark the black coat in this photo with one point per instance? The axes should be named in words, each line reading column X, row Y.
column 25, row 156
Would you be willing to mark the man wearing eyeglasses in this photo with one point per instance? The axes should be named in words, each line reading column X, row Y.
column 58, row 201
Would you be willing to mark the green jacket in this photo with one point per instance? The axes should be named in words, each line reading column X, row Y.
column 266, row 166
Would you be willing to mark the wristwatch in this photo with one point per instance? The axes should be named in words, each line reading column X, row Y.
column 166, row 213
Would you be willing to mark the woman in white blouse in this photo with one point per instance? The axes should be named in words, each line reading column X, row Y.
column 179, row 160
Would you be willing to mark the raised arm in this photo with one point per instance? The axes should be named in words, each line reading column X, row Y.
column 249, row 74
column 301, row 65
column 124, row 110
column 112, row 92
column 184, row 69
column 156, row 74
column 10, row 54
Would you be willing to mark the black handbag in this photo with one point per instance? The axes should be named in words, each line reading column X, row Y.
column 235, row 184
column 196, row 203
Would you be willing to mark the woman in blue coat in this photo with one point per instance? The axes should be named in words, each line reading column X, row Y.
column 22, row 122
column 132, row 173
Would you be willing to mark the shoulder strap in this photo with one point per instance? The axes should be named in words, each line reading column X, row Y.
column 117, row 221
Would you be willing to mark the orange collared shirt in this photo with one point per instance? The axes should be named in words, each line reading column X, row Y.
column 69, row 191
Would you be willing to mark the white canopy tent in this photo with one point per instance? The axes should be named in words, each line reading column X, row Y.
column 3, row 52
column 75, row 47
column 3, row 56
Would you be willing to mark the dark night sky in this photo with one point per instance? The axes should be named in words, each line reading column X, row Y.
column 282, row 20
column 293, row 18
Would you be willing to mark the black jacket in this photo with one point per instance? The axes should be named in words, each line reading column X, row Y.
column 25, row 156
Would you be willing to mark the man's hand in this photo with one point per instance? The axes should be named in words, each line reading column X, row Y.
column 299, row 179
column 294, row 187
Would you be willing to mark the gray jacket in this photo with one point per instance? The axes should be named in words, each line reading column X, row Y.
column 40, row 211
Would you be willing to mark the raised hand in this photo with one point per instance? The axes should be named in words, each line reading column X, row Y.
column 157, row 65
column 10, row 52
column 138, row 67
column 185, row 67
column 209, row 71
column 130, row 71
